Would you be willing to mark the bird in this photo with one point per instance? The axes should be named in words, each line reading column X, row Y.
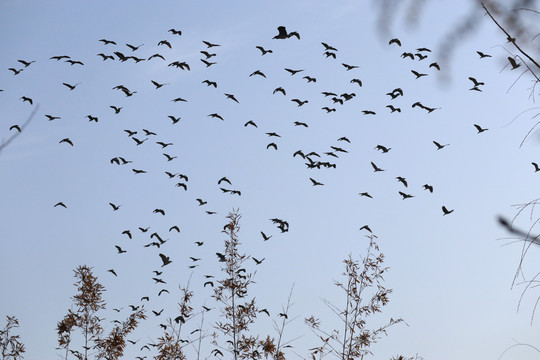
column 428, row 187
column 482, row 55
column 138, row 171
column 343, row 138
column 366, row 227
column 423, row 49
column 116, row 109
column 328, row 47
column 175, row 32
column 71, row 87
column 210, row 83
column 250, row 122
column 169, row 157
column 446, row 211
column 179, row 99
column 163, row 290
column 115, row 207
column 283, row 34
column 216, row 115
column 60, row 204
column 479, row 128
column 420, row 56
column 384, row 149
column 272, row 145
column 328, row 93
column 328, row 110
column 128, row 233
column 158, row 85
column 148, row 132
column 158, row 280
column 163, row 145
column 15, row 71
column 199, row 243
column 475, row 82
column 224, row 179
column 74, row 62
column 105, row 57
column 279, row 89
column 366, row 194
column 417, row 74
column 166, row 261
column 139, row 142
column 439, row 146
column 263, row 50
column 112, row 272
column 211, row 283
column 513, row 62
column 349, row 67
column 174, row 119
column 180, row 184
column 209, row 44
column 166, row 43
column 405, row 196
column 368, row 112
column 300, row 102
column 59, row 57
column 330, row 54
column 156, row 56
column 292, row 71
column 265, row 237
column 67, row 141
column 159, row 211
column 107, row 42
column 207, row 54
column 208, row 63
column 315, row 182
column 25, row 98
column 134, row 48
column 435, row 65
column 120, row 250
column 92, row 118
column 357, row 81
column 375, row 168
column 298, row 123
column 310, row 79
column 257, row 261
column 174, row 227
column 231, row 96
column 273, row 134
column 536, row 167
column 402, row 180
column 51, row 117
column 394, row 41
column 15, row 127
column 393, row 109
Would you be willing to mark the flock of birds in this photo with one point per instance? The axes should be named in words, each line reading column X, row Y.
column 312, row 159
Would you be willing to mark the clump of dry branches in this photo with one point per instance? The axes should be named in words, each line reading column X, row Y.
column 11, row 347
column 365, row 295
column 84, row 317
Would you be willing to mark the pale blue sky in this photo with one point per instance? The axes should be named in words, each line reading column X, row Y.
column 450, row 275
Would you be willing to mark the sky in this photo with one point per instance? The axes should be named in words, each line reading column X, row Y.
column 452, row 275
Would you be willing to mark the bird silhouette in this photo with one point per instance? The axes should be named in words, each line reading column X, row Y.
column 279, row 89
column 166, row 260
column 384, row 149
column 439, row 146
column 107, row 42
column 292, row 71
column 402, row 180
column 74, row 62
column 257, row 261
column 59, row 57
column 428, row 187
column 283, row 34
column 435, row 65
column 15, row 127
column 479, row 128
column 60, row 204
column 201, row 202
column 156, row 56
column 210, row 83
column 343, row 138
column 163, row 290
column 446, row 211
column 349, row 67
column 475, row 82
column 51, row 117
column 366, row 194
column 417, row 74
column 128, row 233
column 216, row 115
column 165, row 43
column 328, row 110
column 263, row 50
column 513, row 63
column 115, row 207
column 71, row 87
column 231, row 96
column 300, row 102
column 116, row 109
column 265, row 237
column 67, row 141
column 420, row 56
column 315, row 182
column 105, row 57
column 120, row 250
column 27, row 99
column 366, row 227
column 272, row 145
column 138, row 171
column 134, row 48
column 209, row 44
column 536, row 167
column 330, row 54
column 174, row 119
column 405, row 196
column 159, row 211
column 250, row 122
column 356, row 81
column 169, row 157
column 208, row 63
column 224, row 179
column 112, row 272
column 175, row 32
column 375, row 168
column 163, row 145
column 394, row 41
column 207, row 54
column 393, row 109
column 158, row 85
column 15, row 71
column 298, row 123
column 482, row 55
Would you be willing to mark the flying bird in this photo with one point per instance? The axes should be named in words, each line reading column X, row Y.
column 231, row 96
column 349, row 67
column 394, row 41
column 60, row 204
column 71, row 87
column 479, row 128
column 263, row 50
column 375, row 168
column 417, row 74
column 166, row 43
column 25, row 98
column 283, row 34
column 439, row 146
column 67, row 141
column 292, row 71
column 446, row 211
column 166, row 261
column 120, row 250
column 265, row 237
column 159, row 211
column 250, row 122
column 405, row 196
column 15, row 127
column 209, row 44
column 428, row 187
column 513, row 62
column 482, row 55
column 115, row 207
column 279, row 89
column 315, row 182
column 107, row 42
